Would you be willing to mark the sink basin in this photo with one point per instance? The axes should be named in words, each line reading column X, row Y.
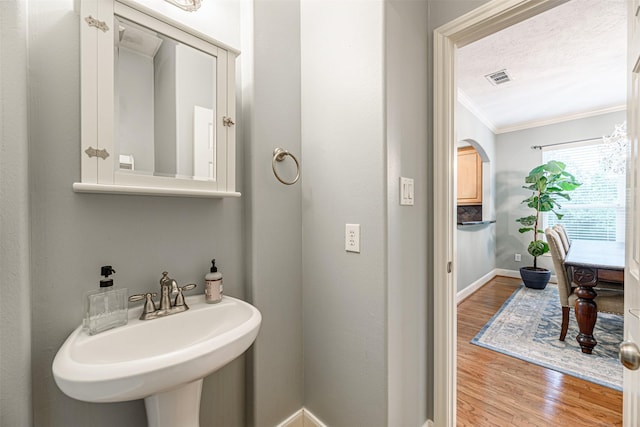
column 146, row 358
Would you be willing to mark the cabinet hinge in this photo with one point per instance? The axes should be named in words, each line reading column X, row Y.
column 94, row 152
column 93, row 22
column 449, row 267
column 227, row 121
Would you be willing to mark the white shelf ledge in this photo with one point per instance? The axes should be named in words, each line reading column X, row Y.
column 81, row 187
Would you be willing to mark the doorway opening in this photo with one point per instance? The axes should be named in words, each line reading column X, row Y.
column 479, row 23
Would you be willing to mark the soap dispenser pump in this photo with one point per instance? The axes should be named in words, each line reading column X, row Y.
column 106, row 271
column 106, row 307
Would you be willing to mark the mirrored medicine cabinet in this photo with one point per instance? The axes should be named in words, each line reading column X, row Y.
column 158, row 105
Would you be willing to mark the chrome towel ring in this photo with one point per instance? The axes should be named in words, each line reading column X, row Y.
column 278, row 155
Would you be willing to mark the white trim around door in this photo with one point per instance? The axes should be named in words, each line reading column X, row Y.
column 481, row 22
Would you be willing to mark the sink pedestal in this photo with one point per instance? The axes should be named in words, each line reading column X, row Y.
column 179, row 407
column 132, row 363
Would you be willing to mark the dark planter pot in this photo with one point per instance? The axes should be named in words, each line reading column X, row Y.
column 535, row 278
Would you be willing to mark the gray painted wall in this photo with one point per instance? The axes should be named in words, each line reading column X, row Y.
column 135, row 95
column 407, row 234
column 15, row 322
column 510, row 178
column 476, row 245
column 344, row 294
column 164, row 125
column 271, row 117
column 72, row 235
column 367, row 328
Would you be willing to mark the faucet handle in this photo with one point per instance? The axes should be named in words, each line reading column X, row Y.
column 180, row 298
column 136, row 297
column 188, row 287
column 149, row 305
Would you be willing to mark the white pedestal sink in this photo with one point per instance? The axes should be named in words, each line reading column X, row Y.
column 162, row 361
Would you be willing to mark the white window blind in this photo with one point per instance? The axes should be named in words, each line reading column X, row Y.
column 596, row 210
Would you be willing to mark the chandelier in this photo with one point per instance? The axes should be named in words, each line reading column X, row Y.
column 614, row 150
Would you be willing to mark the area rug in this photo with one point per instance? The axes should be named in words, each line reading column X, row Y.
column 527, row 326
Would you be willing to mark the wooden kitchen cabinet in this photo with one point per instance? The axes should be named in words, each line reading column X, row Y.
column 469, row 177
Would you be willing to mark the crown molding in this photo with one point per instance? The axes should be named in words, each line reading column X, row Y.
column 561, row 119
column 466, row 102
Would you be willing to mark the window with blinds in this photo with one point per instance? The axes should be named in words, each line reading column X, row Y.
column 596, row 210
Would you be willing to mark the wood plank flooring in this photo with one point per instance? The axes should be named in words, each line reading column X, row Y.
column 499, row 390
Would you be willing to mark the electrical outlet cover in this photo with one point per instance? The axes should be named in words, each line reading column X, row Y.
column 352, row 238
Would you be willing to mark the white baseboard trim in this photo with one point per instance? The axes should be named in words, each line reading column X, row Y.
column 466, row 292
column 302, row 418
column 507, row 273
column 295, row 420
column 311, row 420
column 469, row 290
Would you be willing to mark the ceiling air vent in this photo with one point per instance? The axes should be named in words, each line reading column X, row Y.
column 499, row 77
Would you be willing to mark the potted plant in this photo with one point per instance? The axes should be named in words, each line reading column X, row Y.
column 549, row 183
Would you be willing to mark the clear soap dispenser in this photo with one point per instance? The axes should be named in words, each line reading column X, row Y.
column 106, row 307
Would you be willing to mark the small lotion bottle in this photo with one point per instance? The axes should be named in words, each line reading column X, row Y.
column 106, row 307
column 213, row 285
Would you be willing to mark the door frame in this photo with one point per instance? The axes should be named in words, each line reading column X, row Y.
column 487, row 19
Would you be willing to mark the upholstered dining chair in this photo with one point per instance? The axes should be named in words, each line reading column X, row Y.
column 564, row 236
column 607, row 300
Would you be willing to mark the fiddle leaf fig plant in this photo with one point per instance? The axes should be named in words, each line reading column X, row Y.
column 549, row 183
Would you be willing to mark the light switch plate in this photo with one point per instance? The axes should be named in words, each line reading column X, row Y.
column 352, row 238
column 406, row 191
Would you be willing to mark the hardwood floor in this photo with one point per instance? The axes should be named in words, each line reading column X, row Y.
column 499, row 390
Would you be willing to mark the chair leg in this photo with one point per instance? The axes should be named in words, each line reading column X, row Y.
column 565, row 323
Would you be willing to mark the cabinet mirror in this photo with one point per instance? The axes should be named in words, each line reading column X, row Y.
column 157, row 106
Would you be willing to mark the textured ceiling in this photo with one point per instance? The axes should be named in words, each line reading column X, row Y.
column 565, row 63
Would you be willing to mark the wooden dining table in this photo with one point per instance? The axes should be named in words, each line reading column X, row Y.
column 589, row 262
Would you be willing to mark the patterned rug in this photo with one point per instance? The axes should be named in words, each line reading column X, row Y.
column 527, row 326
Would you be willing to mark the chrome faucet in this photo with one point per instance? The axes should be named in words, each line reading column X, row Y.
column 168, row 288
